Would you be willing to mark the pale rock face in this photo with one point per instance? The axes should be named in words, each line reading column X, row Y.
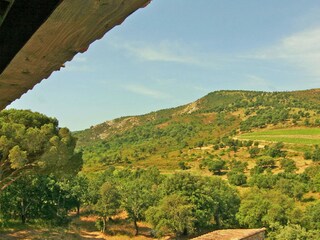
column 119, row 126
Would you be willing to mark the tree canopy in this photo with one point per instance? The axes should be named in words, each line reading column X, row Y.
column 33, row 143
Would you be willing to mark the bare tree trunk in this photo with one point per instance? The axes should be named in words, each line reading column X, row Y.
column 217, row 220
column 136, row 227
column 23, row 212
column 104, row 227
column 78, row 209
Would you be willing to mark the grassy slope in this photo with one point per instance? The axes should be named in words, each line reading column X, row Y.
column 175, row 134
column 300, row 136
column 79, row 229
column 166, row 137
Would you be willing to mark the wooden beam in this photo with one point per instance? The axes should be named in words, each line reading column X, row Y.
column 21, row 22
column 70, row 29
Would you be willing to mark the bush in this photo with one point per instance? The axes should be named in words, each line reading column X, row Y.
column 237, row 178
column 266, row 162
column 215, row 166
column 254, row 152
column 275, row 150
column 294, row 232
column 307, row 155
column 316, row 154
column 183, row 165
column 288, row 165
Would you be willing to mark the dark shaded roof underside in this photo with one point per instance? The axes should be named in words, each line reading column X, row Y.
column 23, row 19
column 46, row 34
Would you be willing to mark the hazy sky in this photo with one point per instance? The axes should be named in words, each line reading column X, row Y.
column 176, row 51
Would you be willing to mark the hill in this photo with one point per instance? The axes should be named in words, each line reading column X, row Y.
column 165, row 138
column 232, row 159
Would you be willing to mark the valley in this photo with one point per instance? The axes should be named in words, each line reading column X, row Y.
column 232, row 159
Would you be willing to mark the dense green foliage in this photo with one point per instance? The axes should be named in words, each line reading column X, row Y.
column 199, row 203
column 174, row 215
column 264, row 208
column 231, row 159
column 130, row 139
column 31, row 142
column 206, row 137
column 37, row 161
column 39, row 197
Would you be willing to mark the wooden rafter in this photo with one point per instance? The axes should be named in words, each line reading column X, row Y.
column 70, row 29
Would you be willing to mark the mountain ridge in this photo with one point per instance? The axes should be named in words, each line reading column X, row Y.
column 193, row 106
column 218, row 114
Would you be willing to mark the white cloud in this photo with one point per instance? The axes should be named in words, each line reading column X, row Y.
column 78, row 64
column 301, row 49
column 255, row 82
column 165, row 51
column 142, row 90
column 256, row 79
column 79, row 58
column 78, row 68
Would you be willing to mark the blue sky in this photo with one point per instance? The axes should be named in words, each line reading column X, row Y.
column 176, row 51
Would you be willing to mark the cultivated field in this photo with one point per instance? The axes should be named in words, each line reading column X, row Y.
column 309, row 136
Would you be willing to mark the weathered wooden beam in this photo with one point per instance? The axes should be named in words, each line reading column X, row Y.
column 21, row 22
column 70, row 29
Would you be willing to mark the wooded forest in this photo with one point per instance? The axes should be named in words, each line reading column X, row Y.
column 238, row 160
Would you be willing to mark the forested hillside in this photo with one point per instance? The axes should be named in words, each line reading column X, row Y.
column 264, row 145
column 232, row 159
column 219, row 115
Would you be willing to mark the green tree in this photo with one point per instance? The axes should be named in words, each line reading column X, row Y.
column 31, row 142
column 288, row 165
column 215, row 203
column 76, row 189
column 294, row 232
column 316, row 154
column 312, row 170
column 261, row 208
column 276, row 150
column 200, row 144
column 173, row 215
column 315, row 183
column 266, row 162
column 291, row 187
column 238, row 166
column 237, row 178
column 108, row 203
column 307, row 155
column 138, row 192
column 254, row 152
column 37, row 197
column 313, row 174
column 312, row 217
column 266, row 181
column 183, row 165
column 215, row 166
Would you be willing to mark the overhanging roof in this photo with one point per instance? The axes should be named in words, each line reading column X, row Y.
column 232, row 234
column 37, row 39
